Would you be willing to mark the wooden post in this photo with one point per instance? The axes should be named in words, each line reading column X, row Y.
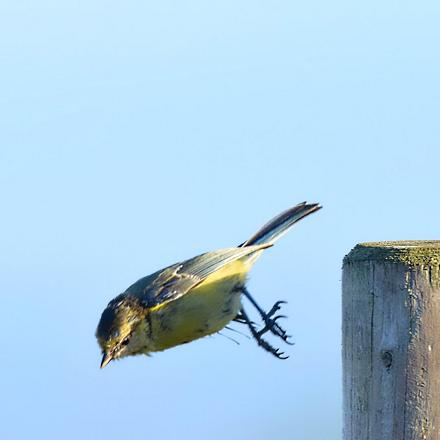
column 391, row 341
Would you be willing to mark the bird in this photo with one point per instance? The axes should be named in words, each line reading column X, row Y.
column 195, row 298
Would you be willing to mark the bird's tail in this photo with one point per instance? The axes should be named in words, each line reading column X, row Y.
column 278, row 226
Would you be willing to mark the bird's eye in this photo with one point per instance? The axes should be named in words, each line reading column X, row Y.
column 125, row 341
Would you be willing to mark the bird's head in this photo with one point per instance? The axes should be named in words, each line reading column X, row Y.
column 122, row 329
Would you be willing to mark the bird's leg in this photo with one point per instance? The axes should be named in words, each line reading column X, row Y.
column 258, row 336
column 242, row 320
column 269, row 319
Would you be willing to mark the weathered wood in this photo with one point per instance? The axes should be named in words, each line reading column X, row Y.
column 391, row 341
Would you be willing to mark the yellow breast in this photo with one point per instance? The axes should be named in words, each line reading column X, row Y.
column 204, row 310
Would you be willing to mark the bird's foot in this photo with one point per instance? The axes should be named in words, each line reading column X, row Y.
column 258, row 335
column 271, row 324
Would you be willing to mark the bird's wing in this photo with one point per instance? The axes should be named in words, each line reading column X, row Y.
column 175, row 281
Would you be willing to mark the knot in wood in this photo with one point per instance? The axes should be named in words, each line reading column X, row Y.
column 387, row 358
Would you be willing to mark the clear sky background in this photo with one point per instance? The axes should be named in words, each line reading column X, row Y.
column 136, row 134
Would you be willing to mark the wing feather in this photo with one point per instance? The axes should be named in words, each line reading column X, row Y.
column 175, row 281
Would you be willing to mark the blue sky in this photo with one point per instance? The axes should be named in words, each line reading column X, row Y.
column 137, row 134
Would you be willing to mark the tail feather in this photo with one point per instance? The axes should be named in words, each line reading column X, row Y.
column 278, row 226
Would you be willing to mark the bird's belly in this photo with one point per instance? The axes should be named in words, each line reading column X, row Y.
column 204, row 310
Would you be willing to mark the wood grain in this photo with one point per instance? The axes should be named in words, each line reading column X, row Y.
column 391, row 341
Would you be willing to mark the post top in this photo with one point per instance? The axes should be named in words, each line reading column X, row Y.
column 410, row 252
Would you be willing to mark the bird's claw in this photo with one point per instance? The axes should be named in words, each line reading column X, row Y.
column 264, row 344
column 275, row 308
column 275, row 351
column 271, row 324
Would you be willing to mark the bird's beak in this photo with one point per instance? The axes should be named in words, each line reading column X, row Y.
column 106, row 358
